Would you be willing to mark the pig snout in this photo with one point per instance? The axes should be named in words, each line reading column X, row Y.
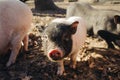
column 55, row 54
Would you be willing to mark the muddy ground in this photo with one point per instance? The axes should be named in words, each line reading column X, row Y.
column 95, row 63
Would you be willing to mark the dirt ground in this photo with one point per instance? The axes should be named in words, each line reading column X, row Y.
column 95, row 63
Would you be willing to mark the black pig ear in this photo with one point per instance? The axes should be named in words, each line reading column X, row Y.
column 74, row 26
column 117, row 19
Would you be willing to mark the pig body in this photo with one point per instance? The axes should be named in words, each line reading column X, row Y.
column 15, row 22
column 96, row 19
column 64, row 37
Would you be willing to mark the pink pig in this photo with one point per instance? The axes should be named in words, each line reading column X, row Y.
column 15, row 22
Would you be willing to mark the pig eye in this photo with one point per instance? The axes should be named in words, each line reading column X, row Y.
column 65, row 38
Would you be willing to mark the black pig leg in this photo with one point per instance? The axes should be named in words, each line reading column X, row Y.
column 109, row 38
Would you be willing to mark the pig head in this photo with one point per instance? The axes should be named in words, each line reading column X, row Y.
column 63, row 38
column 15, row 22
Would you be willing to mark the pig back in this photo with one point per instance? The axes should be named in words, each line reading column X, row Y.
column 14, row 14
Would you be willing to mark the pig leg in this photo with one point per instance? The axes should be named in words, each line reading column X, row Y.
column 109, row 38
column 60, row 67
column 25, row 42
column 73, row 60
column 16, row 45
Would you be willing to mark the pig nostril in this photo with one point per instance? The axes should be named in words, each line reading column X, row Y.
column 55, row 55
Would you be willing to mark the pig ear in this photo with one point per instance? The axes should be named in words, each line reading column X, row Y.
column 117, row 19
column 74, row 27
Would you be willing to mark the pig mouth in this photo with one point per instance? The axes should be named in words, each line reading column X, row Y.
column 55, row 55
